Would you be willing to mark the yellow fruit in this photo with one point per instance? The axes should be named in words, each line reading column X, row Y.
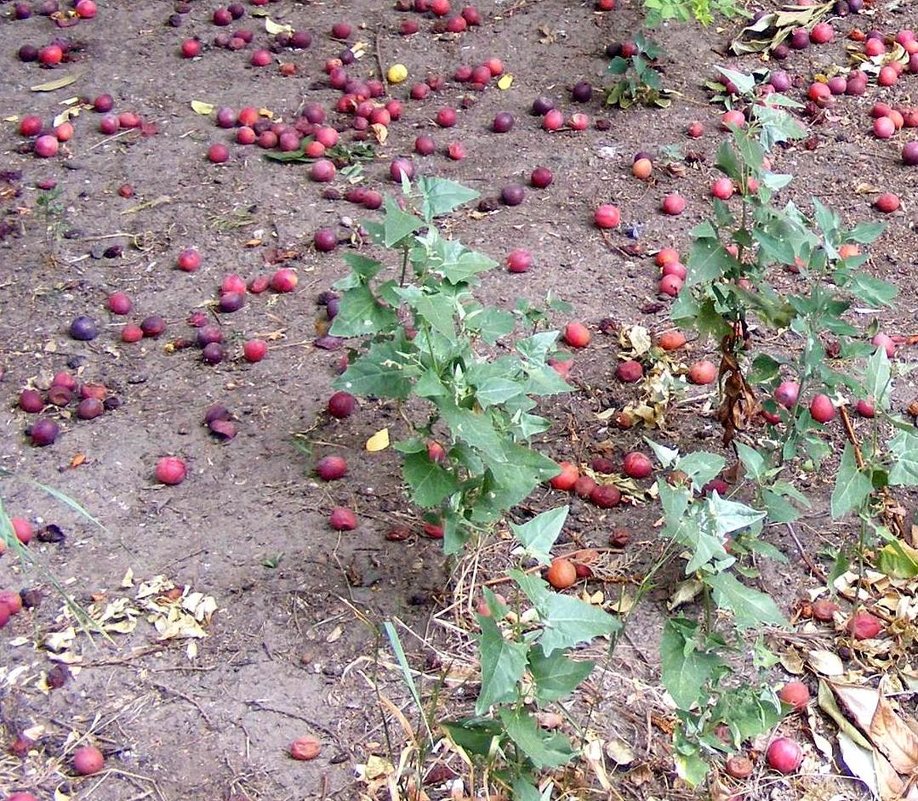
column 397, row 73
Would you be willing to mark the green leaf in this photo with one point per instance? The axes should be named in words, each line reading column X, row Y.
column 466, row 265
column 748, row 711
column 569, row 621
column 852, row 487
column 871, row 290
column 440, row 196
column 728, row 162
column 491, row 324
column 437, row 309
column 904, row 449
column 503, row 664
column 729, row 516
column 495, row 391
column 362, row 266
column 665, row 456
column 398, row 224
column 898, row 560
column 543, row 749
column 707, row 261
column 556, row 676
column 539, row 534
column 474, row 735
column 744, row 83
column 427, row 481
column 752, row 460
column 381, row 372
column 865, row 233
column 475, row 429
column 701, row 467
column 750, row 607
column 525, row 789
column 685, row 668
column 360, row 314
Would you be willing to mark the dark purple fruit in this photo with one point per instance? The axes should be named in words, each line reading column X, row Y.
column 212, row 353
column 84, row 328
column 43, row 432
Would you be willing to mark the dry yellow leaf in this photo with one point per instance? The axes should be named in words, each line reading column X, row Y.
column 505, row 81
column 200, row 107
column 379, row 441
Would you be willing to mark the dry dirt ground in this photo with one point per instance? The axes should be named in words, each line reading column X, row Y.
column 293, row 647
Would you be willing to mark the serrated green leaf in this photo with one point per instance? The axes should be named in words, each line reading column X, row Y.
column 750, row 607
column 701, row 467
column 744, row 83
column 874, row 291
column 752, row 460
column 440, row 196
column 539, row 534
column 428, row 482
column 707, row 261
column 729, row 516
column 398, row 224
column 494, row 391
column 685, row 668
column 360, row 314
column 490, row 324
column 728, row 162
column 865, row 233
column 904, row 449
column 569, row 621
column 380, row 372
column 503, row 664
column 556, row 676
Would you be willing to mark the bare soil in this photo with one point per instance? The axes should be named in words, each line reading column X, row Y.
column 294, row 647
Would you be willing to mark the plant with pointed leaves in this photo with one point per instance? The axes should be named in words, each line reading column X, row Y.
column 427, row 337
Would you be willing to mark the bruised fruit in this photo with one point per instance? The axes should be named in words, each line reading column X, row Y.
column 342, row 519
column 606, row 496
column 787, row 393
column 43, row 432
column 305, row 748
column 784, row 755
column 577, row 335
column 637, row 465
column 170, row 470
column 342, row 404
column 88, row 760
column 12, row 600
column 739, row 767
column 629, row 371
column 671, row 340
column 331, row 468
column 584, row 486
column 821, row 408
column 795, row 694
column 864, row 626
column 824, row 610
column 561, row 574
column 702, row 372
column 566, row 479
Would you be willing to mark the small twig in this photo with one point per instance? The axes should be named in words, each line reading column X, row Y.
column 262, row 707
column 188, row 699
column 852, row 437
column 814, row 568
